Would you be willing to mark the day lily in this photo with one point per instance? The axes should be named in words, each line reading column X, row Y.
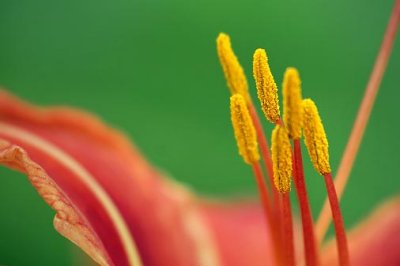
column 116, row 207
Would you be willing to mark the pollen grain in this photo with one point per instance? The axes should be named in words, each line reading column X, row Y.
column 233, row 71
column 315, row 138
column 267, row 90
column 244, row 130
column 281, row 159
column 292, row 103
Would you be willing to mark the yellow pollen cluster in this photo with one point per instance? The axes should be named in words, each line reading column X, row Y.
column 244, row 130
column 281, row 159
column 292, row 103
column 315, row 138
column 233, row 71
column 266, row 87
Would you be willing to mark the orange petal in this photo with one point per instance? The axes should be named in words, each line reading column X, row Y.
column 107, row 199
column 241, row 233
column 375, row 241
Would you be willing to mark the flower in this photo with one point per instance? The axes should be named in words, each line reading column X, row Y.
column 120, row 211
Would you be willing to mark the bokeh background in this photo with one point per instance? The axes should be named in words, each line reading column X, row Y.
column 150, row 69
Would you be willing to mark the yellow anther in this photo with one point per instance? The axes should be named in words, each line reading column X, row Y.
column 266, row 86
column 292, row 106
column 315, row 138
column 281, row 159
column 233, row 71
column 245, row 132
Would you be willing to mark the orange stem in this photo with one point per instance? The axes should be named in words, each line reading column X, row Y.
column 266, row 156
column 361, row 121
column 310, row 250
column 341, row 240
column 264, row 147
column 270, row 218
column 287, row 230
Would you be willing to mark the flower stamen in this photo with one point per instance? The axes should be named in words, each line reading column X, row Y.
column 267, row 92
column 293, row 117
column 317, row 145
column 237, row 83
column 282, row 163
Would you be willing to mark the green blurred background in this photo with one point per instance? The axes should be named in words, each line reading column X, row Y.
column 150, row 69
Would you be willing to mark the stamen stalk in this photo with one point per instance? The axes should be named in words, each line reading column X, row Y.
column 310, row 250
column 264, row 147
column 341, row 240
column 287, row 230
column 282, row 167
column 266, row 157
column 317, row 145
column 270, row 218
